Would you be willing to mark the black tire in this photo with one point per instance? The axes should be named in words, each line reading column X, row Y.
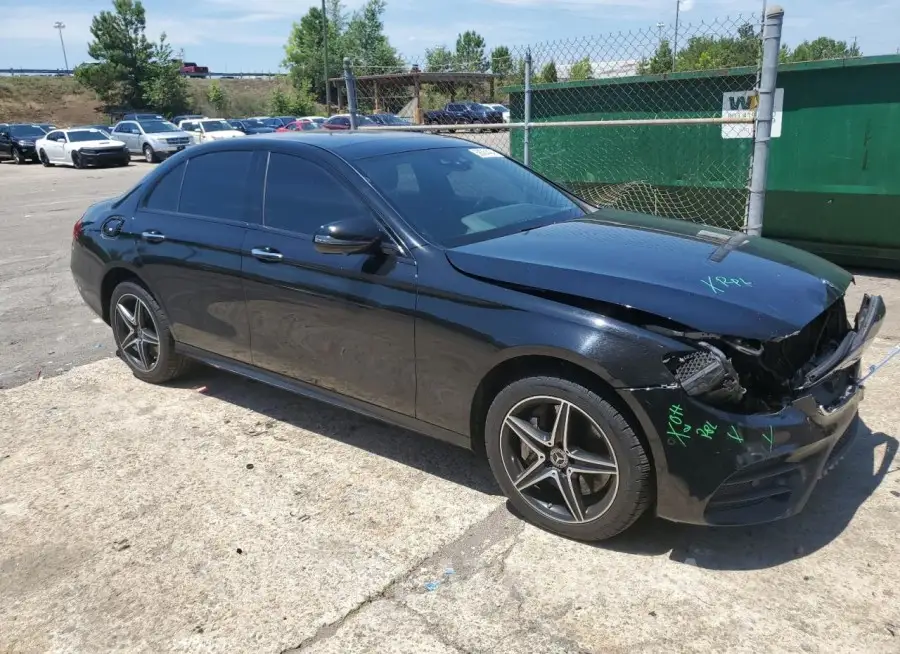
column 149, row 155
column 617, row 507
column 76, row 160
column 168, row 364
column 18, row 157
column 44, row 160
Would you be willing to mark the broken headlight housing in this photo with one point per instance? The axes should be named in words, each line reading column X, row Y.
column 707, row 374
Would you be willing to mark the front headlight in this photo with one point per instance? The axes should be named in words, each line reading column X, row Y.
column 707, row 374
column 24, row 143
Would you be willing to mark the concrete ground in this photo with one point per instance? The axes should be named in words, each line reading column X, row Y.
column 219, row 515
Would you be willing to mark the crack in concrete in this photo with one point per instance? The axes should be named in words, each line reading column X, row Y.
column 389, row 591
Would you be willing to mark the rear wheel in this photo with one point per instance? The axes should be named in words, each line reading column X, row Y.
column 567, row 459
column 44, row 159
column 142, row 334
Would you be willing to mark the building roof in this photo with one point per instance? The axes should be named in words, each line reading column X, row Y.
column 409, row 79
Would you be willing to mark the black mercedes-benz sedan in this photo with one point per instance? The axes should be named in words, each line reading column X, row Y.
column 604, row 362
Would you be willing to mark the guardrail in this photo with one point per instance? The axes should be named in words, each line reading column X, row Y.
column 59, row 72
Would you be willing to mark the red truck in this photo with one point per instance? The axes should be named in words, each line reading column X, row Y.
column 190, row 69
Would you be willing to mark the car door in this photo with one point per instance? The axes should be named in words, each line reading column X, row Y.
column 341, row 322
column 5, row 143
column 124, row 132
column 55, row 146
column 189, row 231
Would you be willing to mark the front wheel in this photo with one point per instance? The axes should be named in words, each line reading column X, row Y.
column 17, row 156
column 567, row 459
column 45, row 160
column 143, row 336
column 77, row 161
column 149, row 154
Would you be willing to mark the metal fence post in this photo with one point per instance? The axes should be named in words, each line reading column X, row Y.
column 765, row 113
column 350, row 81
column 527, row 128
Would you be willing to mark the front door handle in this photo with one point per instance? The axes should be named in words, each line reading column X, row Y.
column 153, row 236
column 267, row 254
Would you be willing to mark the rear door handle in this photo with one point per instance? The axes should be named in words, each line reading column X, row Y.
column 267, row 254
column 153, row 236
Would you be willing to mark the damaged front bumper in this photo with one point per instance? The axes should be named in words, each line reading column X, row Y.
column 714, row 467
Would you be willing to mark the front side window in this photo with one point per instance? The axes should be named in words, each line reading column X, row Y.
column 302, row 196
column 53, row 136
column 459, row 195
column 216, row 185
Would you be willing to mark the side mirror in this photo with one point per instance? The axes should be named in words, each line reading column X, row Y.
column 349, row 236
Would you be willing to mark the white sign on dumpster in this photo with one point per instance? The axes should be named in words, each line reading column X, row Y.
column 742, row 104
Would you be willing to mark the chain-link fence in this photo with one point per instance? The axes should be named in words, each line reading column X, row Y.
column 659, row 121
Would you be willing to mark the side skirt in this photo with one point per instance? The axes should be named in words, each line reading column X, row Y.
column 323, row 395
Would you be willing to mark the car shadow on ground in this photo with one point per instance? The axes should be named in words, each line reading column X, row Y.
column 431, row 456
column 830, row 509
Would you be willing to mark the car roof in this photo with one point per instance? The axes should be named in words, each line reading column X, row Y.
column 352, row 145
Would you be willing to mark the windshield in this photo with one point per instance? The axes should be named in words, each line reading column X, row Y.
column 460, row 195
column 271, row 122
column 388, row 119
column 87, row 135
column 363, row 120
column 158, row 126
column 215, row 125
column 253, row 122
column 26, row 131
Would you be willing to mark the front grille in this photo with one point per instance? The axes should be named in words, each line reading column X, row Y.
column 180, row 140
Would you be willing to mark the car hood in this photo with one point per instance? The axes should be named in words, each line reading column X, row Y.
column 100, row 143
column 708, row 279
column 224, row 134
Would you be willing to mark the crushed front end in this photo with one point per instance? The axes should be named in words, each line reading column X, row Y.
column 748, row 428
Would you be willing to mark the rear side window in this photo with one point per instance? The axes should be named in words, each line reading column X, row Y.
column 218, row 185
column 164, row 196
column 301, row 196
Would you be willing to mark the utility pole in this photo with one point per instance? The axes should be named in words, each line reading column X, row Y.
column 325, row 48
column 675, row 40
column 61, row 26
column 659, row 28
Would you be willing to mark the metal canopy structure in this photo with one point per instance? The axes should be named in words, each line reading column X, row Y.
column 414, row 79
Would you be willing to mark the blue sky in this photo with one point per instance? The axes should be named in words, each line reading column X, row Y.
column 249, row 35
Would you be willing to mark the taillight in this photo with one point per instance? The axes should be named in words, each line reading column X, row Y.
column 77, row 229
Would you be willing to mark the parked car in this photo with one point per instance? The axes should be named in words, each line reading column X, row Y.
column 318, row 120
column 154, row 139
column 463, row 113
column 388, row 119
column 342, row 122
column 299, row 126
column 606, row 362
column 210, row 129
column 17, row 142
column 250, row 126
column 143, row 117
column 177, row 119
column 502, row 109
column 81, row 148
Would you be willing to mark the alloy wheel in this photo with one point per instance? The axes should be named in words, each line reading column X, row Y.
column 559, row 459
column 136, row 332
column 148, row 154
column 17, row 156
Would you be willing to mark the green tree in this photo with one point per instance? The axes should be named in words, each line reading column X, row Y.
column 548, row 73
column 438, row 60
column 217, row 97
column 502, row 63
column 123, row 55
column 291, row 101
column 365, row 43
column 305, row 50
column 660, row 62
column 823, row 48
column 581, row 69
column 470, row 52
column 706, row 52
column 165, row 88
